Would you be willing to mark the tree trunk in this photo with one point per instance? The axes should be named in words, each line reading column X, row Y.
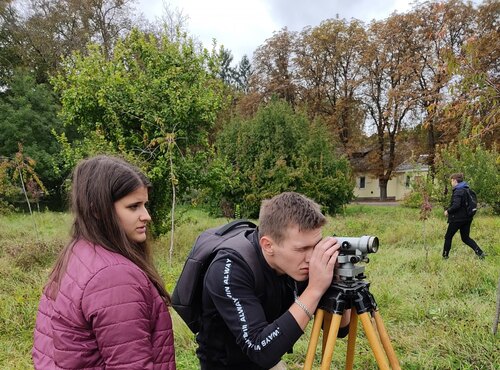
column 431, row 147
column 382, row 183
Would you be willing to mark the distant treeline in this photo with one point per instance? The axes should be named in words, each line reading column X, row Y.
column 81, row 78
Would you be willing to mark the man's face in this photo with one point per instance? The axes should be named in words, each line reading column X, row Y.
column 291, row 256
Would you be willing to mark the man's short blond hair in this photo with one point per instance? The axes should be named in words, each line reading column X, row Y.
column 287, row 210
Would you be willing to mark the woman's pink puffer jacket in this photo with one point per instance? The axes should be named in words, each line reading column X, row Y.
column 107, row 315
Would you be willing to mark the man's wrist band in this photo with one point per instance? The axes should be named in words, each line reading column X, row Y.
column 303, row 306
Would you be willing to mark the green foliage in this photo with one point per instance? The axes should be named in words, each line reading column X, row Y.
column 413, row 199
column 480, row 166
column 211, row 176
column 154, row 99
column 420, row 196
column 475, row 103
column 5, row 207
column 8, row 190
column 19, row 179
column 280, row 150
column 70, row 154
column 28, row 114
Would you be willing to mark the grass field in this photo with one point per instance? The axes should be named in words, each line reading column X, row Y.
column 438, row 313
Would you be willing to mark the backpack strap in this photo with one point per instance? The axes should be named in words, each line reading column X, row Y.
column 245, row 248
column 233, row 224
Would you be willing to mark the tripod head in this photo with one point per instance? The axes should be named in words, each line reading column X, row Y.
column 342, row 296
column 348, row 287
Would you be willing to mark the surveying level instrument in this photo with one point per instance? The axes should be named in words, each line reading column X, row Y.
column 349, row 291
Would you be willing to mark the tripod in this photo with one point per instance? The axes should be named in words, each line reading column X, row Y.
column 338, row 298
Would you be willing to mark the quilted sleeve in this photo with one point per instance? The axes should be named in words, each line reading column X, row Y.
column 117, row 304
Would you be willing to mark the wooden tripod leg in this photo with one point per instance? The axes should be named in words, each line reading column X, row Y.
column 374, row 341
column 330, row 341
column 351, row 340
column 386, row 342
column 311, row 349
column 327, row 323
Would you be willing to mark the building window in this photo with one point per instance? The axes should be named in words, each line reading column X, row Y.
column 362, row 182
column 407, row 183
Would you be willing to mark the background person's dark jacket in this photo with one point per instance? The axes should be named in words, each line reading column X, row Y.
column 457, row 211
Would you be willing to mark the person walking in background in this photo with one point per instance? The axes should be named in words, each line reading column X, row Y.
column 458, row 219
column 105, row 305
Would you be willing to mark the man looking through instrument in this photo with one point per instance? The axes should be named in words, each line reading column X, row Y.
column 248, row 328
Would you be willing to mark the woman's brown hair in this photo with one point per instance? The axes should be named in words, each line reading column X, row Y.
column 97, row 183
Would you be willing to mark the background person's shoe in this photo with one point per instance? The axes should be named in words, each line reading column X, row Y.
column 481, row 255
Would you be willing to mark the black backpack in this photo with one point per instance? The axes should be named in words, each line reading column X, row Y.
column 470, row 202
column 186, row 297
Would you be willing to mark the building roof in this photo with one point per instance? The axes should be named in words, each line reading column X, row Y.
column 419, row 165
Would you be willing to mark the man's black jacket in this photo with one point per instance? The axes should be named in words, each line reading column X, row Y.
column 457, row 211
column 243, row 328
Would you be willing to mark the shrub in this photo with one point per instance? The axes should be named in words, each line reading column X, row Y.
column 281, row 150
column 413, row 199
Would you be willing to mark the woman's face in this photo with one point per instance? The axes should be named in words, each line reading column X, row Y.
column 133, row 215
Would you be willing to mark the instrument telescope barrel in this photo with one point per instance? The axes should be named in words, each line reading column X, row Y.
column 364, row 244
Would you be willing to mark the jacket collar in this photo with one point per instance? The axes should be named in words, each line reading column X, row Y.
column 461, row 185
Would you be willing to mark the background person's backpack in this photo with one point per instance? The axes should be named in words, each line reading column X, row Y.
column 470, row 202
column 186, row 297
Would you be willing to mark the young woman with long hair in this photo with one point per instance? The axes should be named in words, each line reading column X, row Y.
column 105, row 305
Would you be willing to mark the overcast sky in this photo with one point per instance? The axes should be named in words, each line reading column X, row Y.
column 243, row 25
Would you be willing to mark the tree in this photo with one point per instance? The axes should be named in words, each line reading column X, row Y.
column 9, row 58
column 388, row 92
column 18, row 177
column 440, row 29
column 28, row 115
column 279, row 150
column 235, row 76
column 328, row 73
column 154, row 99
column 474, row 108
column 39, row 33
column 244, row 73
column 273, row 67
column 173, row 22
column 474, row 94
column 227, row 73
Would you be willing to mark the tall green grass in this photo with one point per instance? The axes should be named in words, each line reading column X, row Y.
column 438, row 313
